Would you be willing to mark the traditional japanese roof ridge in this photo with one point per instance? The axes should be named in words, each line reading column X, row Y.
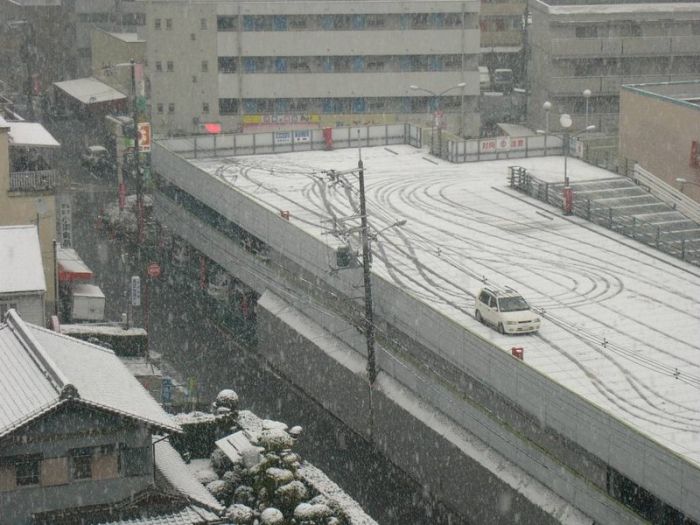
column 47, row 366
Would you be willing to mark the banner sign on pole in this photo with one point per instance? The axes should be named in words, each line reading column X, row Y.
column 135, row 290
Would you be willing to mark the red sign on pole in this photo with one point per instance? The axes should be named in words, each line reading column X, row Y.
column 154, row 270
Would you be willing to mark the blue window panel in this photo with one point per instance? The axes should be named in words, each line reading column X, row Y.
column 437, row 19
column 358, row 105
column 405, row 63
column 249, row 65
column 358, row 21
column 248, row 23
column 328, row 105
column 327, row 65
column 282, row 105
column 279, row 23
column 434, row 63
column 327, row 22
column 358, row 64
column 280, row 65
column 433, row 103
column 250, row 105
column 405, row 21
column 406, row 105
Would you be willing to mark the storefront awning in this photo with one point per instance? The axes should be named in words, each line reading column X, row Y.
column 90, row 90
column 70, row 266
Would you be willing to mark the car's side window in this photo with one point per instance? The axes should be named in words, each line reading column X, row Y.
column 492, row 301
column 484, row 298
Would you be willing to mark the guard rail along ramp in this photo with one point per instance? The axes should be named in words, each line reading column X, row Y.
column 642, row 208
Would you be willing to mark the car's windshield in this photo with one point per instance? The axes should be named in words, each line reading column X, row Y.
column 512, row 304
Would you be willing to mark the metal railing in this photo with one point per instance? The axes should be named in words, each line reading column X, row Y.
column 41, row 180
column 667, row 193
column 677, row 243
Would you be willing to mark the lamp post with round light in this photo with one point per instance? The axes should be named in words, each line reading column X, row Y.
column 587, row 96
column 547, row 106
column 436, row 108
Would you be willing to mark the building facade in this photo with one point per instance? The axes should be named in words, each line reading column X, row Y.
column 576, row 46
column 502, row 24
column 660, row 131
column 28, row 182
column 260, row 66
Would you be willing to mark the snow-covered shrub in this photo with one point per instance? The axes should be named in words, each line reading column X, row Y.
column 312, row 512
column 291, row 494
column 227, row 398
column 232, row 476
column 240, row 514
column 220, row 461
column 244, row 495
column 206, row 476
column 279, row 476
column 276, row 439
column 295, row 431
column 220, row 489
column 271, row 516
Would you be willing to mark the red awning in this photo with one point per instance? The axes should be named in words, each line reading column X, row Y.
column 71, row 267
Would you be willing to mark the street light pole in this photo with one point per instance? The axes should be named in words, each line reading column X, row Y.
column 436, row 111
column 546, row 106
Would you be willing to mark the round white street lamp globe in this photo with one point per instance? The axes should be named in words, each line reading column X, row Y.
column 586, row 93
column 547, row 105
column 565, row 120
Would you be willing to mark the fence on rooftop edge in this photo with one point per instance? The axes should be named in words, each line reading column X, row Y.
column 657, row 236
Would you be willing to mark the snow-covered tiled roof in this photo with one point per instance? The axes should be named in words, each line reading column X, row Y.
column 174, row 470
column 21, row 268
column 42, row 369
column 191, row 515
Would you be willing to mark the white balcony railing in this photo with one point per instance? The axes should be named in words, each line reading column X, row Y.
column 42, row 180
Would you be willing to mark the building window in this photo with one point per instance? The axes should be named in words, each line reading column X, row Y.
column 279, row 23
column 159, row 66
column 193, row 37
column 159, row 107
column 171, row 66
column 280, row 65
column 156, row 23
column 4, row 307
column 205, row 66
column 202, row 23
column 205, row 107
column 375, row 21
column 81, row 463
column 168, row 23
column 171, row 108
column 226, row 23
column 27, row 470
column 586, row 32
column 227, row 64
column 228, row 106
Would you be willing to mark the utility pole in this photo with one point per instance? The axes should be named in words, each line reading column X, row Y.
column 139, row 181
column 369, row 313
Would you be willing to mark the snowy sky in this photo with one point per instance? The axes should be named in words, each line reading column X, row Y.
column 464, row 223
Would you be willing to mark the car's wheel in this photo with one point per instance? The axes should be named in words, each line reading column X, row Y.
column 478, row 317
column 501, row 329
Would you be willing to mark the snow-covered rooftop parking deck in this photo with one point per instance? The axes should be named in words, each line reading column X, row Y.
column 621, row 319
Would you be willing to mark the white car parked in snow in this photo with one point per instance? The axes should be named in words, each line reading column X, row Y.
column 506, row 311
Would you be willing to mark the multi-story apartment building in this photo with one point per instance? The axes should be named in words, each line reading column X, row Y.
column 502, row 25
column 598, row 46
column 256, row 65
